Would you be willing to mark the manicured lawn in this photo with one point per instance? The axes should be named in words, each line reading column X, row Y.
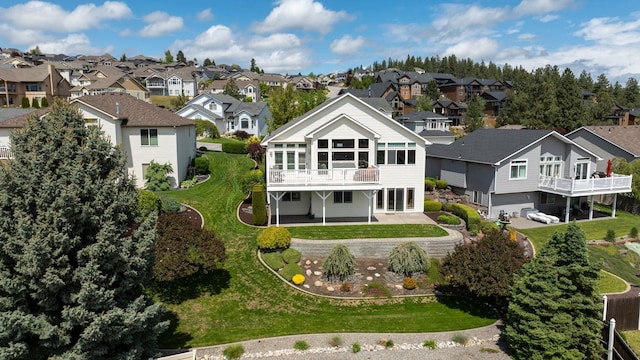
column 162, row 100
column 366, row 231
column 245, row 300
column 633, row 339
column 219, row 140
column 609, row 283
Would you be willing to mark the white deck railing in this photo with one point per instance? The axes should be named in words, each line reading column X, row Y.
column 277, row 177
column 5, row 153
column 613, row 184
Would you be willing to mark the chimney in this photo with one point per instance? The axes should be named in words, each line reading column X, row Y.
column 117, row 108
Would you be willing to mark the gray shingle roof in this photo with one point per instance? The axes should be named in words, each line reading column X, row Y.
column 487, row 146
column 625, row 137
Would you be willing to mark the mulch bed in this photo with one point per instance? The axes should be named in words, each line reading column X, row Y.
column 246, row 212
column 193, row 217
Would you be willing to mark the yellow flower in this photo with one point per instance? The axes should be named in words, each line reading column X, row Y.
column 298, row 279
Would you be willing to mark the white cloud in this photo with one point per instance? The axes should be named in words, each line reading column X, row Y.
column 274, row 41
column 549, row 18
column 611, row 31
column 537, row 7
column 301, row 14
column 205, row 15
column 527, row 37
column 347, row 45
column 71, row 44
column 160, row 23
column 40, row 15
column 478, row 49
column 463, row 17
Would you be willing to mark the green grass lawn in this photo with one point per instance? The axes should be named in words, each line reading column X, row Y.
column 162, row 100
column 624, row 264
column 633, row 339
column 609, row 283
column 244, row 300
column 366, row 231
column 219, row 140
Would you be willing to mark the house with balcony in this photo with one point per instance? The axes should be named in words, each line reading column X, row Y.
column 609, row 142
column 514, row 171
column 344, row 159
column 31, row 83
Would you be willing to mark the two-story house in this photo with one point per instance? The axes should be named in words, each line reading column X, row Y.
column 31, row 83
column 512, row 171
column 344, row 159
column 609, row 142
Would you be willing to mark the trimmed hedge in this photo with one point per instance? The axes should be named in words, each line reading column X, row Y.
column 202, row 165
column 234, row 147
column 432, row 205
column 466, row 213
column 441, row 184
column 259, row 205
column 274, row 237
column 449, row 219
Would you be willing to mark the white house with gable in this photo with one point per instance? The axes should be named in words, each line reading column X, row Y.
column 344, row 159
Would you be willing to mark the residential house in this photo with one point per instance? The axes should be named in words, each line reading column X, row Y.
column 303, row 83
column 344, row 159
column 514, row 171
column 453, row 110
column 431, row 126
column 107, row 79
column 228, row 113
column 464, row 89
column 182, row 82
column 625, row 116
column 609, row 142
column 31, row 83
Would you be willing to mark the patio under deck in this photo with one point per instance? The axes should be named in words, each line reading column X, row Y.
column 377, row 218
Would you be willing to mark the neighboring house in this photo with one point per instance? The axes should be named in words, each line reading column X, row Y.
column 303, row 83
column 32, row 83
column 518, row 170
column 609, row 142
column 143, row 131
column 181, row 82
column 155, row 82
column 344, row 159
column 453, row 110
column 228, row 113
column 418, row 121
column 625, row 116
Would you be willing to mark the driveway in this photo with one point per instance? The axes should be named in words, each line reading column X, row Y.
column 209, row 146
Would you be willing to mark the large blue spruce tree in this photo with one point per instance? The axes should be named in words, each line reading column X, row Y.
column 72, row 271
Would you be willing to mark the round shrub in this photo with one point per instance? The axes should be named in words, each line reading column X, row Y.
column 611, row 235
column 298, row 279
column 148, row 202
column 633, row 233
column 290, row 270
column 448, row 219
column 339, row 264
column 253, row 177
column 233, row 351
column 291, row 256
column 407, row 258
column 202, row 165
column 432, row 205
column 273, row 260
column 429, row 184
column 274, row 237
column 489, row 226
column 409, row 283
column 441, row 184
column 253, row 140
column 170, row 204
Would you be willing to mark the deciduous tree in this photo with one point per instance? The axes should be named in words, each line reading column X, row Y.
column 73, row 273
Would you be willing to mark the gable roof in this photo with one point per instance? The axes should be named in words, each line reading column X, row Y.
column 624, row 137
column 132, row 111
column 492, row 146
column 14, row 118
column 419, row 116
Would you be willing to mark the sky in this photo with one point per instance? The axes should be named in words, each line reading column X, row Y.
column 324, row 36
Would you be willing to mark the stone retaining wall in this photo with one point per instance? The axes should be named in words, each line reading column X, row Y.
column 378, row 248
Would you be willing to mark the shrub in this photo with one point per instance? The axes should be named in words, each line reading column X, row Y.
column 633, row 233
column 459, row 338
column 291, row 256
column 345, row 287
column 301, row 345
column 429, row 184
column 259, row 205
column 335, row 341
column 468, row 214
column 489, row 226
column 298, row 279
column 290, row 270
column 156, row 176
column 611, row 235
column 273, row 260
column 256, row 151
column 339, row 264
column 241, row 134
column 431, row 205
column 274, row 237
column 189, row 183
column 355, row 347
column 233, row 352
column 206, row 128
column 448, row 219
column 407, row 258
column 44, row 103
column 25, row 102
column 409, row 283
column 430, row 344
column 234, row 147
column 202, row 165
column 441, row 184
column 34, row 103
column 253, row 140
column 376, row 289
column 170, row 204
column 251, row 178
column 148, row 202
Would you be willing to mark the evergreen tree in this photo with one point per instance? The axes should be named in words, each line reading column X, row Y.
column 168, row 58
column 156, row 176
column 34, row 103
column 474, row 118
column 572, row 112
column 232, row 89
column 180, row 57
column 73, row 273
column 207, row 62
column 44, row 103
column 123, row 58
column 253, row 65
column 631, row 93
column 25, row 102
column 554, row 311
column 433, row 91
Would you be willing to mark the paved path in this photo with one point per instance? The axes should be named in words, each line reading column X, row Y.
column 209, row 146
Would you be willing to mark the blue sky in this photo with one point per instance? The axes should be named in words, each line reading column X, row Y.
column 322, row 36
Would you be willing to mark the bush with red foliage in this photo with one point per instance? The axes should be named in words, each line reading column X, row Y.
column 183, row 249
column 241, row 134
column 256, row 151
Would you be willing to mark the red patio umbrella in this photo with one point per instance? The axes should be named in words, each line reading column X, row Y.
column 609, row 168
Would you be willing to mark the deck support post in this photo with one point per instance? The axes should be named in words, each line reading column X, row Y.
column 324, row 198
column 591, row 208
column 613, row 206
column 567, row 210
column 277, row 198
column 369, row 194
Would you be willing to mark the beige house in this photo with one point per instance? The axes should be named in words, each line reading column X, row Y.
column 32, row 83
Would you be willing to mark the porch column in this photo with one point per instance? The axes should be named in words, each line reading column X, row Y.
column 613, row 206
column 324, row 197
column 369, row 195
column 567, row 210
column 591, row 208
column 277, row 198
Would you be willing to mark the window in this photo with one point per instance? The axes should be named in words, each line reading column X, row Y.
column 550, row 165
column 380, row 200
column 410, row 195
column 323, row 144
column 411, row 157
column 477, row 197
column 342, row 156
column 391, row 157
column 91, row 121
column 278, row 160
column 363, row 159
column 518, row 170
column 291, row 160
column 291, row 196
column 547, row 198
column 342, row 197
column 323, row 160
column 149, row 137
column 343, row 144
column 302, row 160
column 144, row 170
column 244, row 124
column 363, row 143
column 213, row 106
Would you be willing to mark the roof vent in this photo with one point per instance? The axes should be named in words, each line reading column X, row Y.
column 117, row 108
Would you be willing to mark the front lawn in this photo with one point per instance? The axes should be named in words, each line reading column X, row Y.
column 246, row 301
column 366, row 231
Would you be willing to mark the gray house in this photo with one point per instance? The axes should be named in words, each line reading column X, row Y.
column 609, row 142
column 516, row 171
